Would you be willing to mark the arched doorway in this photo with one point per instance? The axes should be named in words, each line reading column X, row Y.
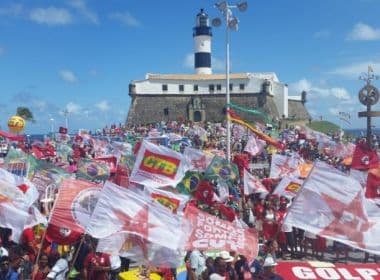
column 197, row 116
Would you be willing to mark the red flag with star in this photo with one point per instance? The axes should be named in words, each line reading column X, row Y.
column 333, row 205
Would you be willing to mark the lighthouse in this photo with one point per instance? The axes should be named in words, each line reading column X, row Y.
column 202, row 44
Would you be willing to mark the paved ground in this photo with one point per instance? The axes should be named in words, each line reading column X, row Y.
column 354, row 256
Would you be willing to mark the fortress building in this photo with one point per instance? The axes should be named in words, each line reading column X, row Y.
column 201, row 96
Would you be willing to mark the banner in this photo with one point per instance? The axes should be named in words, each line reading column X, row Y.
column 332, row 204
column 173, row 201
column 212, row 233
column 327, row 271
column 158, row 166
column 16, row 162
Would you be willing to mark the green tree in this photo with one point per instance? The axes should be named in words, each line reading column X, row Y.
column 25, row 113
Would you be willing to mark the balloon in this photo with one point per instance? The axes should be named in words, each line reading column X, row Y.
column 16, row 124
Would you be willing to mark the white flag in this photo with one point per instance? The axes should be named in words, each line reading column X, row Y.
column 19, row 189
column 252, row 184
column 288, row 187
column 284, row 166
column 333, row 205
column 123, row 210
column 197, row 159
column 158, row 166
column 254, row 146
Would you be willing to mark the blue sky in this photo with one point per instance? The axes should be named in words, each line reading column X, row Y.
column 81, row 55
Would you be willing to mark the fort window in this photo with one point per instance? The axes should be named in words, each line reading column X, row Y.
column 241, row 86
column 181, row 87
column 195, row 87
column 231, row 87
column 219, row 87
column 211, row 88
column 165, row 87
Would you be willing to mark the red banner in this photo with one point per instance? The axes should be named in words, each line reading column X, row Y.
column 212, row 233
column 324, row 271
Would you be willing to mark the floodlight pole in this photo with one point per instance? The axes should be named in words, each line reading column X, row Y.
column 228, row 84
column 231, row 22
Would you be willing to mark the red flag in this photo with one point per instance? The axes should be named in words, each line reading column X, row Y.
column 75, row 202
column 373, row 183
column 364, row 157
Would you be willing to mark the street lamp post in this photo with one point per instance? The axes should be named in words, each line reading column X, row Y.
column 231, row 23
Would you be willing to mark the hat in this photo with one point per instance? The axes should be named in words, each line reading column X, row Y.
column 269, row 261
column 226, row 256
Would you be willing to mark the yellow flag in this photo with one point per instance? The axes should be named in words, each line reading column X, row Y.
column 370, row 68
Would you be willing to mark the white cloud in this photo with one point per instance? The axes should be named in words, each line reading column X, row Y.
column 322, row 34
column 12, row 10
column 217, row 64
column 188, row 62
column 354, row 70
column 298, row 87
column 103, row 106
column 317, row 92
column 82, row 8
column 50, row 16
column 68, row 76
column 73, row 108
column 125, row 18
column 364, row 32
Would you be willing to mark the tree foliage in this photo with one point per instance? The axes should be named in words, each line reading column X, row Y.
column 25, row 113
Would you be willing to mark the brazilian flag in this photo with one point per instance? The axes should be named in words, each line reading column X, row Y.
column 189, row 182
column 221, row 169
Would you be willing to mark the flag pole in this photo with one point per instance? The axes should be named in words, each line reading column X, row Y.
column 75, row 255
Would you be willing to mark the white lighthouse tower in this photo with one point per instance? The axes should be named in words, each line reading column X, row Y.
column 202, row 44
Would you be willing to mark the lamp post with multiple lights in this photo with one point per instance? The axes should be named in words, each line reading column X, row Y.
column 231, row 24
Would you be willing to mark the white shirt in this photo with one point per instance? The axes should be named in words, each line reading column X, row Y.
column 216, row 276
column 197, row 262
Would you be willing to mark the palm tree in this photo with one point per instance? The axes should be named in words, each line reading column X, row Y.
column 25, row 113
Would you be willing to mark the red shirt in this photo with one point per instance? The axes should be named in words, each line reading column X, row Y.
column 94, row 259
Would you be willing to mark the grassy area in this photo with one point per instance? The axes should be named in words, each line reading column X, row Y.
column 323, row 126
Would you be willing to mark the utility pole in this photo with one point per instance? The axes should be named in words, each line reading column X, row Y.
column 368, row 96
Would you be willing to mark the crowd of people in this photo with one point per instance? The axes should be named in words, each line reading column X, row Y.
column 34, row 257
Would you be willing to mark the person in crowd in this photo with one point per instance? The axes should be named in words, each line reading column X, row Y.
column 269, row 270
column 209, row 268
column 339, row 249
column 6, row 273
column 42, row 269
column 309, row 242
column 96, row 265
column 242, row 268
column 220, row 268
column 59, row 270
column 230, row 262
column 269, row 221
column 320, row 247
column 197, row 264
